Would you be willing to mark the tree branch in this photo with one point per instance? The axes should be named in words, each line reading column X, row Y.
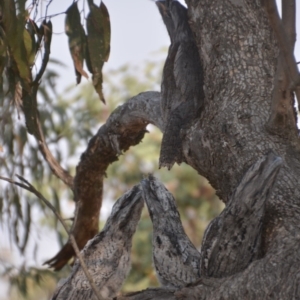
column 46, row 27
column 284, row 44
column 151, row 293
column 125, row 127
column 229, row 245
column 34, row 127
column 27, row 186
column 283, row 118
column 224, row 251
column 289, row 21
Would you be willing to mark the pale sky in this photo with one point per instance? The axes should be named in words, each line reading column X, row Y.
column 137, row 32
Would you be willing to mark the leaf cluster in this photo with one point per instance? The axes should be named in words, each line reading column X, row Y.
column 93, row 48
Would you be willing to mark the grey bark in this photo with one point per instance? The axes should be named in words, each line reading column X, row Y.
column 107, row 255
column 182, row 83
column 125, row 127
column 233, row 239
column 175, row 258
column 239, row 55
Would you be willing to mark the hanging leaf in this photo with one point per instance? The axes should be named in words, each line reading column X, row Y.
column 77, row 40
column 14, row 28
column 29, row 42
column 30, row 112
column 45, row 31
column 27, row 225
column 98, row 27
column 33, row 30
column 3, row 58
column 40, row 34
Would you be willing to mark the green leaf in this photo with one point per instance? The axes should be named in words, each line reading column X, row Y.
column 98, row 27
column 30, row 112
column 27, row 225
column 14, row 29
column 29, row 43
column 3, row 58
column 33, row 30
column 77, row 40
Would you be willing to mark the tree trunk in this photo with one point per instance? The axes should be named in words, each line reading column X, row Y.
column 239, row 55
column 243, row 118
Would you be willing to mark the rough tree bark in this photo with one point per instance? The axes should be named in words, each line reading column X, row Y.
column 239, row 54
column 240, row 122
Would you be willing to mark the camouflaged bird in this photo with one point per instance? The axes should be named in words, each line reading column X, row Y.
column 107, row 255
column 228, row 249
column 182, row 82
column 176, row 260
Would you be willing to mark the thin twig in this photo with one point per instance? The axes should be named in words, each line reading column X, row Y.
column 38, row 132
column 47, row 28
column 47, row 6
column 27, row 186
column 285, row 47
column 51, row 16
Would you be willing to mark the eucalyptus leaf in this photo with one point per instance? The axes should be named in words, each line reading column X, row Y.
column 14, row 29
column 30, row 112
column 33, row 30
column 29, row 43
column 77, row 40
column 98, row 38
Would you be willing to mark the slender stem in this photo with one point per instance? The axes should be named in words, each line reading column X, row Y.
column 27, row 186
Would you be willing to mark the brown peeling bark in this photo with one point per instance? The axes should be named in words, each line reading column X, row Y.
column 125, row 127
column 283, row 118
column 239, row 54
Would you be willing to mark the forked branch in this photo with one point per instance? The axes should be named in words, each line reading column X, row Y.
column 124, row 128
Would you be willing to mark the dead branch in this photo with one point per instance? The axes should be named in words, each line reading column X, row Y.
column 124, row 128
column 27, row 186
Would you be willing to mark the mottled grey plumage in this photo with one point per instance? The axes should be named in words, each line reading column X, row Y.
column 182, row 82
column 176, row 260
column 107, row 255
column 228, row 249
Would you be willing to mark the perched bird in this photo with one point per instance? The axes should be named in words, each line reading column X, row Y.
column 176, row 260
column 107, row 255
column 182, row 82
column 228, row 249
